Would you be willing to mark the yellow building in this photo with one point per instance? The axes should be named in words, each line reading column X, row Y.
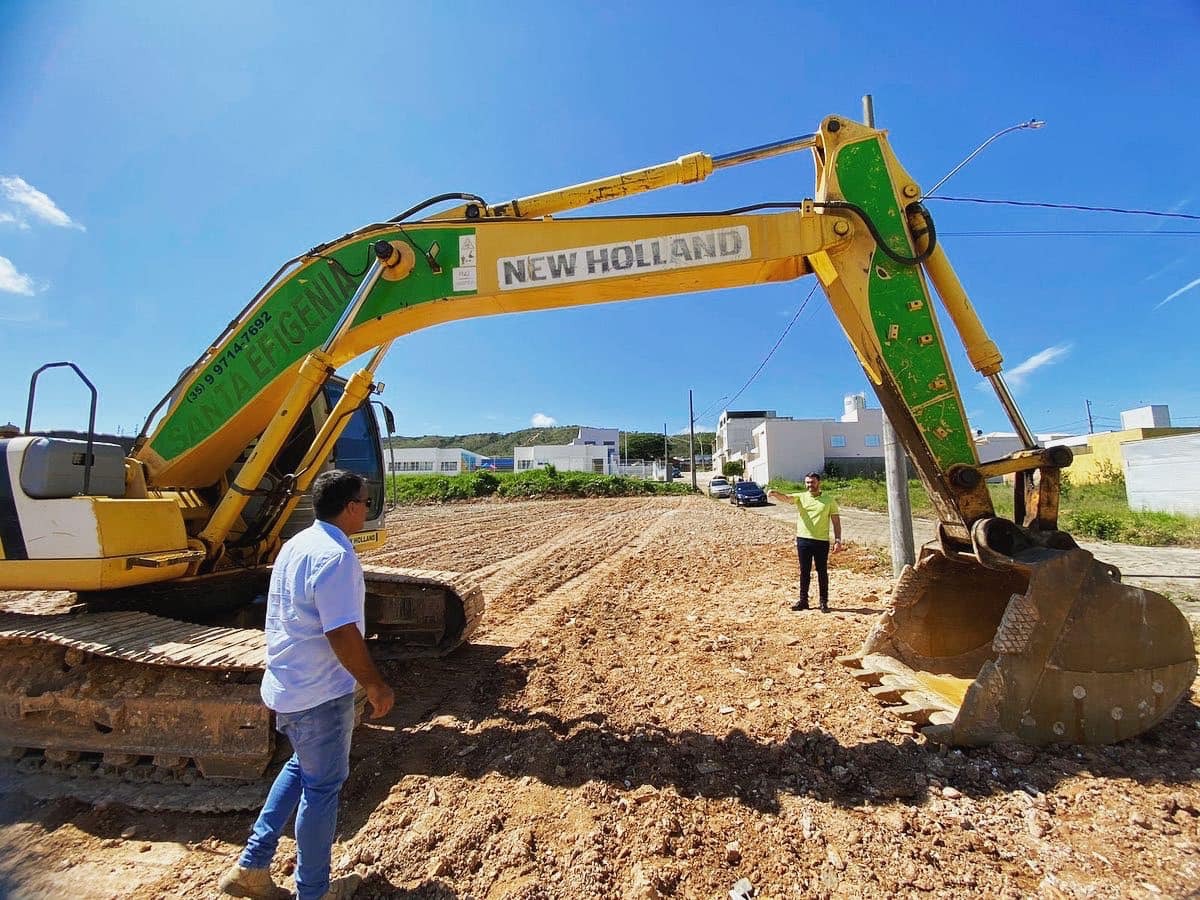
column 1100, row 459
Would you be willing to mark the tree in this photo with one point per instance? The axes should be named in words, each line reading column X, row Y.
column 642, row 445
column 735, row 468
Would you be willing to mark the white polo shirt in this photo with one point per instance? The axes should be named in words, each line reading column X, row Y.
column 316, row 586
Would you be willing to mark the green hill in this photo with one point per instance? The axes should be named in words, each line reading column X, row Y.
column 492, row 443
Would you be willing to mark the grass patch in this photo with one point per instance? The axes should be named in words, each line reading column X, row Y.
column 1098, row 511
column 534, row 484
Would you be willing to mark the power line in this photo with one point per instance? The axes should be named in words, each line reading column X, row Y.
column 766, row 359
column 1073, row 206
column 994, row 233
column 771, row 353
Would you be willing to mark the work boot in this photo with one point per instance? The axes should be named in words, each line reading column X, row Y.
column 343, row 888
column 799, row 605
column 253, row 883
column 824, row 606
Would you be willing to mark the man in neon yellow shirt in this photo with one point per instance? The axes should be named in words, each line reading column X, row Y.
column 814, row 515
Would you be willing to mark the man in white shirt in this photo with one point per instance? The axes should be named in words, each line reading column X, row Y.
column 315, row 656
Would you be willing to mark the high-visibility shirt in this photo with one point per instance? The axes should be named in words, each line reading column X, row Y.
column 812, row 515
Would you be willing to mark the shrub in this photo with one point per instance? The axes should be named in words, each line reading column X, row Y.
column 531, row 483
column 1102, row 525
column 1107, row 473
column 470, row 485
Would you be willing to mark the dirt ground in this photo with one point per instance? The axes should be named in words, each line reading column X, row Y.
column 640, row 716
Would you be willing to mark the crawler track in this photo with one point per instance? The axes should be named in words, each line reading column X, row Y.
column 128, row 707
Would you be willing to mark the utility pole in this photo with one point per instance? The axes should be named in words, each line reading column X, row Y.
column 666, row 455
column 692, row 438
column 895, row 460
column 1091, row 430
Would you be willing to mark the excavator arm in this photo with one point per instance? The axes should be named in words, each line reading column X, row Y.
column 477, row 260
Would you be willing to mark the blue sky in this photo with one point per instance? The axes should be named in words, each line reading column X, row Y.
column 159, row 161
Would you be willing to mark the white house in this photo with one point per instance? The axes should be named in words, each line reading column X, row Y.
column 593, row 450
column 567, row 458
column 431, row 460
column 791, row 448
column 773, row 446
column 734, row 434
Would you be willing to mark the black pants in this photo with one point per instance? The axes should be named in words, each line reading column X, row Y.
column 810, row 552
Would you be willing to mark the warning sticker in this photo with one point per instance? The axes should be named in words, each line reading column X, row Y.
column 466, row 250
column 464, row 278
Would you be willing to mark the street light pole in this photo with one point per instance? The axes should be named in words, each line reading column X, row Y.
column 692, row 438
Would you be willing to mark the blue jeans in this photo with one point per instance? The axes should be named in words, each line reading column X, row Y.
column 311, row 780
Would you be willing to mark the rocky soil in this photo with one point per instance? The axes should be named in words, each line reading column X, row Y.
column 642, row 716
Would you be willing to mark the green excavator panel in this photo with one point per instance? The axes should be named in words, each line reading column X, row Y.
column 298, row 316
column 901, row 311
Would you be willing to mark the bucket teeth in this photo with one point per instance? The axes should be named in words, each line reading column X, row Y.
column 892, row 682
column 887, row 693
column 914, row 713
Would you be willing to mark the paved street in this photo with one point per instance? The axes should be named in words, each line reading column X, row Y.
column 1171, row 570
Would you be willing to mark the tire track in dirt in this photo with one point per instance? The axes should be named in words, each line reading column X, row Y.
column 522, row 581
column 466, row 538
column 548, row 540
column 596, row 564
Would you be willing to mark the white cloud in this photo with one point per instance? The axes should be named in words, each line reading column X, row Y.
column 1019, row 374
column 1183, row 290
column 12, row 281
column 541, row 420
column 29, row 200
column 700, row 427
column 1179, row 204
column 1165, row 269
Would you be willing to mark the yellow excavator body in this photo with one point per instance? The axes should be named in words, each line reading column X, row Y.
column 1005, row 629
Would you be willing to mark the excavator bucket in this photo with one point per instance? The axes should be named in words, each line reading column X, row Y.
column 1040, row 643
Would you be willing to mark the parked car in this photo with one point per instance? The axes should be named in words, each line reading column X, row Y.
column 719, row 487
column 748, row 493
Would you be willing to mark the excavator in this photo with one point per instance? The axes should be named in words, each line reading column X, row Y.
column 1004, row 630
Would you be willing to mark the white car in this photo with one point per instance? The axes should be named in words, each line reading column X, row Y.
column 720, row 487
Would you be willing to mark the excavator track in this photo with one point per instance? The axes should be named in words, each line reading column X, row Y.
column 420, row 613
column 128, row 707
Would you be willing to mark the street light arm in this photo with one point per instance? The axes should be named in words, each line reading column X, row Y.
column 1032, row 124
